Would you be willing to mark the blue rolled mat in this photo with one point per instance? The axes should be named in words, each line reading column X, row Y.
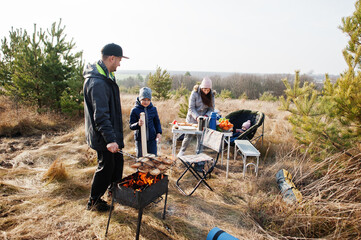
column 218, row 234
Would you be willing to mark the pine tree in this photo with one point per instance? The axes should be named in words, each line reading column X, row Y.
column 181, row 91
column 330, row 120
column 302, row 98
column 183, row 107
column 346, row 93
column 305, row 117
column 27, row 77
column 37, row 69
column 9, row 50
column 160, row 83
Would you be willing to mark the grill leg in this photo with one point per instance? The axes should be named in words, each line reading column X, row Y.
column 165, row 203
column 140, row 213
column 110, row 214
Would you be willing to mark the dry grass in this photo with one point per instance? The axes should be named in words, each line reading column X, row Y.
column 19, row 120
column 331, row 206
column 56, row 172
column 248, row 208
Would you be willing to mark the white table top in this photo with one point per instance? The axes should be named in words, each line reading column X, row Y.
column 195, row 131
column 246, row 148
column 189, row 131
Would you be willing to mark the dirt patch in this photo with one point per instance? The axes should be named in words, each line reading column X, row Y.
column 12, row 147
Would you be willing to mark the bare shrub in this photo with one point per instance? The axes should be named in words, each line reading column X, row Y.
column 56, row 172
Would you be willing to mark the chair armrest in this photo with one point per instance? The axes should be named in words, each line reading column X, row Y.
column 245, row 133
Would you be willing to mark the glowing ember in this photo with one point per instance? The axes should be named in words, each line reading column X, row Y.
column 139, row 181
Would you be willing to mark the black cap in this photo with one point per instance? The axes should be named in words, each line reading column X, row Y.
column 113, row 49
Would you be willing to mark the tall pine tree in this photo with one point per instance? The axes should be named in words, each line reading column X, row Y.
column 160, row 82
column 39, row 69
column 331, row 120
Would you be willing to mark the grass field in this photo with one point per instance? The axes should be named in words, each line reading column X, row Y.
column 45, row 182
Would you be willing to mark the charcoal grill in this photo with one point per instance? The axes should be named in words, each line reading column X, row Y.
column 139, row 199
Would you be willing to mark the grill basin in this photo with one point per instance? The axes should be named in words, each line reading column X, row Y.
column 139, row 199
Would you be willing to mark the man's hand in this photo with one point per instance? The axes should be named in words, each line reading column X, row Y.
column 113, row 147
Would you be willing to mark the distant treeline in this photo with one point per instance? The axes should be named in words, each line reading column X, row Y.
column 246, row 85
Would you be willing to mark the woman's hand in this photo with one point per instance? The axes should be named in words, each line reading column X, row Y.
column 140, row 122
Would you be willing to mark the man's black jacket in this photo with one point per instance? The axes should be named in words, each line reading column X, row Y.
column 102, row 108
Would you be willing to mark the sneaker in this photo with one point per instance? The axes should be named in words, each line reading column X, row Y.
column 100, row 205
column 199, row 166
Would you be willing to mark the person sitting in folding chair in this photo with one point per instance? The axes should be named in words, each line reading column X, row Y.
column 210, row 139
column 244, row 130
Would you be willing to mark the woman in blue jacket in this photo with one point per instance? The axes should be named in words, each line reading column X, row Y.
column 152, row 122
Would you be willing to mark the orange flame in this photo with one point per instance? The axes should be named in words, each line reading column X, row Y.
column 140, row 180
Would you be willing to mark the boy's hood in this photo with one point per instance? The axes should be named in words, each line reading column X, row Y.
column 139, row 105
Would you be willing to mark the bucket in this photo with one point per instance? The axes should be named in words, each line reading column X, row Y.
column 218, row 234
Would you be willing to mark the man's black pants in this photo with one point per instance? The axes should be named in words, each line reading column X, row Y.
column 110, row 169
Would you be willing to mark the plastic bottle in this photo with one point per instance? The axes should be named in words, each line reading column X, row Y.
column 212, row 121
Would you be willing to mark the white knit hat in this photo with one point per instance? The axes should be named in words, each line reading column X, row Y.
column 246, row 124
column 206, row 83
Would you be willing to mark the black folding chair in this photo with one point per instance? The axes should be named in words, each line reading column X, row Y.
column 237, row 118
column 212, row 140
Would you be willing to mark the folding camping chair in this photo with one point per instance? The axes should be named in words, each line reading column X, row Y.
column 212, row 140
column 237, row 118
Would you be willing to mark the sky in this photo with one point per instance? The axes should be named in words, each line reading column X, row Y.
column 239, row 36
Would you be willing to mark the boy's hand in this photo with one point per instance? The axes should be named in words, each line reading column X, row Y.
column 140, row 122
column 159, row 137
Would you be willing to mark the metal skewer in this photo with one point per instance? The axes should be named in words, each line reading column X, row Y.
column 127, row 154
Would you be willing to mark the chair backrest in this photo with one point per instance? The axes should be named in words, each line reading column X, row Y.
column 212, row 139
column 237, row 118
column 258, row 121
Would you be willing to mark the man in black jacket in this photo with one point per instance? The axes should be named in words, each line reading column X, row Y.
column 103, row 122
